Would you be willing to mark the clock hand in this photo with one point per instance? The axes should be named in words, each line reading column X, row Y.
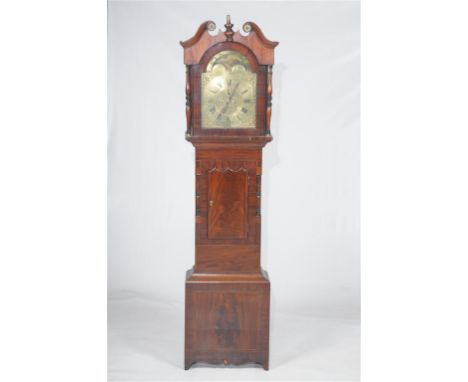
column 230, row 98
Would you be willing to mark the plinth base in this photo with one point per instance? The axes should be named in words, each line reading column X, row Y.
column 227, row 318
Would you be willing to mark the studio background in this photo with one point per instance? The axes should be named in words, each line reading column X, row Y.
column 310, row 188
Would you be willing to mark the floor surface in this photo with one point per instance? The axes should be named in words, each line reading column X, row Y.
column 145, row 343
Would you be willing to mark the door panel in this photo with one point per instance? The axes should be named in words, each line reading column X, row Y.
column 227, row 204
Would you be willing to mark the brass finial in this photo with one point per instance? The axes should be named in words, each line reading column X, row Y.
column 228, row 33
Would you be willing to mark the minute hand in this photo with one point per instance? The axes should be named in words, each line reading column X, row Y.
column 230, row 99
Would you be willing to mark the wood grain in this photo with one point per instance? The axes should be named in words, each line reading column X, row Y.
column 227, row 323
column 235, row 258
column 227, row 204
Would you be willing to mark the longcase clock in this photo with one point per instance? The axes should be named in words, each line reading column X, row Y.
column 228, row 109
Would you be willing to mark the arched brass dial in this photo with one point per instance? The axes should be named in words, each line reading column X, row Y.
column 228, row 92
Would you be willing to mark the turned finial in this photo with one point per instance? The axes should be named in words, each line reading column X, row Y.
column 229, row 32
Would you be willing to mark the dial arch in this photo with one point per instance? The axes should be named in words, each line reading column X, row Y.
column 228, row 92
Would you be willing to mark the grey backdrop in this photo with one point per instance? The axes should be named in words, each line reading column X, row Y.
column 310, row 209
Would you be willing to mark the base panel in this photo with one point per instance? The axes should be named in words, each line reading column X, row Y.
column 227, row 319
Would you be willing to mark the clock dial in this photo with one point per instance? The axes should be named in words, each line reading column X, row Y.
column 228, row 92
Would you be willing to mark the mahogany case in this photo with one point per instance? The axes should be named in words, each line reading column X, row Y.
column 227, row 293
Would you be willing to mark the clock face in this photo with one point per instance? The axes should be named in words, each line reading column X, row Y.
column 229, row 95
